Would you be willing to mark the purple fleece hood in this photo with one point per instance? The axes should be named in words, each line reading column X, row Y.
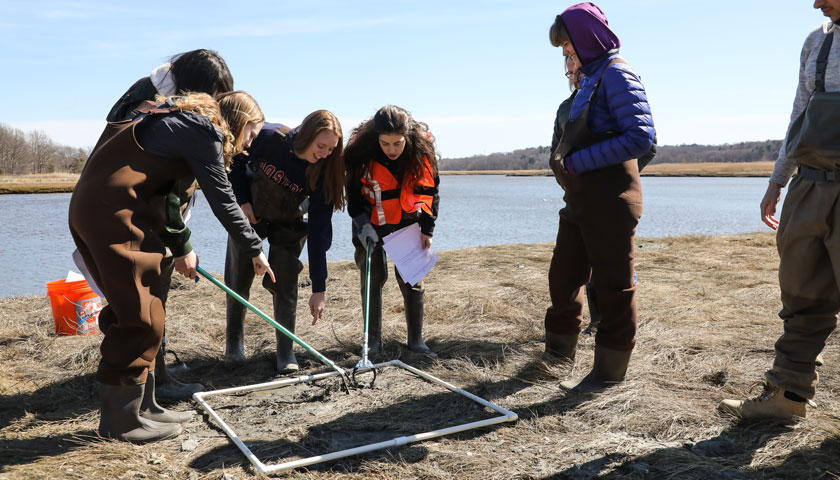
column 589, row 30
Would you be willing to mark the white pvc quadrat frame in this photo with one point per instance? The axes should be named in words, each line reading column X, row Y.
column 505, row 416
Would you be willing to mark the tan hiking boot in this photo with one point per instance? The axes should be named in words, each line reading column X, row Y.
column 771, row 403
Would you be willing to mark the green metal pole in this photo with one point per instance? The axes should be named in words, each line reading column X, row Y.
column 271, row 322
column 364, row 362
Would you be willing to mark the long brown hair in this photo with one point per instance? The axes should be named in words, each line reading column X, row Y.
column 391, row 119
column 329, row 170
column 239, row 108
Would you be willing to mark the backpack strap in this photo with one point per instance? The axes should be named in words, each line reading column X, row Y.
column 598, row 83
column 822, row 62
column 150, row 107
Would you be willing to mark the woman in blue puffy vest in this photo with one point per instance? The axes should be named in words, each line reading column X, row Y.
column 610, row 127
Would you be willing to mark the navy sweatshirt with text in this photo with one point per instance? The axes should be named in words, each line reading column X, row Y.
column 290, row 173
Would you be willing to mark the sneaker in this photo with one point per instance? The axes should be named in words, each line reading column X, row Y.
column 771, row 403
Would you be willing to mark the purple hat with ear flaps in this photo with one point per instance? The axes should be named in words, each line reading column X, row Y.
column 589, row 30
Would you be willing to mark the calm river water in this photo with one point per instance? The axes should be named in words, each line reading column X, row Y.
column 475, row 210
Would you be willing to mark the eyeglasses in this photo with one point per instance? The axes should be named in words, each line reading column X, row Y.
column 569, row 74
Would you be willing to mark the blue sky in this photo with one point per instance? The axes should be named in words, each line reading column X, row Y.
column 482, row 74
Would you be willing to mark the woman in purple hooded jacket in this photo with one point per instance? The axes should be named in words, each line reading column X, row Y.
column 609, row 128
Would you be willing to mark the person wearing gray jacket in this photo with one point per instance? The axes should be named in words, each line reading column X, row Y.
column 808, row 244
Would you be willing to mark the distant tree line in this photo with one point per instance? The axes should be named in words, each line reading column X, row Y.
column 35, row 152
column 537, row 157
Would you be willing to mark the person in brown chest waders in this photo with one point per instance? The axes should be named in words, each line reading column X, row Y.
column 202, row 71
column 117, row 212
column 596, row 163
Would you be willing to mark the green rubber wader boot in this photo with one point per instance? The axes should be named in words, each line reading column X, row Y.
column 609, row 369
column 286, row 360
column 120, row 416
column 413, row 299
column 560, row 348
column 168, row 387
column 150, row 410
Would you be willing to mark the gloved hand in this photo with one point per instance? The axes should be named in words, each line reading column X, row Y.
column 366, row 233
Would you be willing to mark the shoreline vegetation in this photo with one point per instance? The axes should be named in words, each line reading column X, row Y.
column 707, row 322
column 64, row 182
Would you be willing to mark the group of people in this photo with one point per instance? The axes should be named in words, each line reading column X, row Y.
column 185, row 123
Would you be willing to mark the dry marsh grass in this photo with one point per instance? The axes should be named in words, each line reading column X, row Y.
column 64, row 182
column 38, row 183
column 707, row 310
column 710, row 169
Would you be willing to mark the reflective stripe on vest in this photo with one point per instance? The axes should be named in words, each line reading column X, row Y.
column 389, row 199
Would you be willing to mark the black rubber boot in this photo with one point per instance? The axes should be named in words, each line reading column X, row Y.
column 560, row 348
column 286, row 361
column 165, row 385
column 594, row 312
column 234, row 332
column 120, row 416
column 379, row 275
column 239, row 274
column 609, row 369
column 413, row 299
column 284, row 295
column 374, row 321
column 150, row 410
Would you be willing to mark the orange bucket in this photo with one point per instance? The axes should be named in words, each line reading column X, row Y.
column 75, row 307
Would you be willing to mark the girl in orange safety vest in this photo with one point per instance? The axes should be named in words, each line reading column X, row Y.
column 392, row 182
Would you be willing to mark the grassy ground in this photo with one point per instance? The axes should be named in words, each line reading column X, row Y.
column 707, row 310
column 38, row 183
column 711, row 169
column 64, row 182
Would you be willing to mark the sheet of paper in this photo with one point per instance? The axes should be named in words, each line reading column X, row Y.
column 404, row 248
column 80, row 264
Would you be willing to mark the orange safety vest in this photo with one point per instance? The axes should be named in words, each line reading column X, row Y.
column 389, row 199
